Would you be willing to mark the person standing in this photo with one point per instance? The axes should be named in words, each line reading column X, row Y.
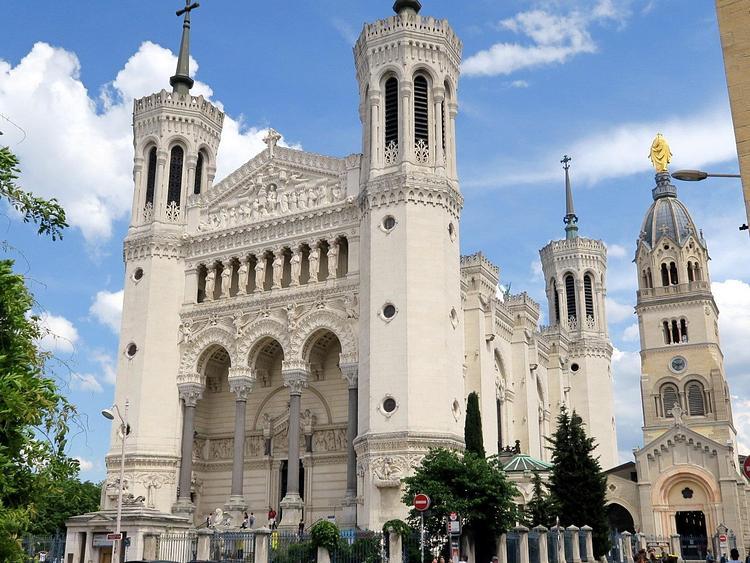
column 709, row 556
column 734, row 555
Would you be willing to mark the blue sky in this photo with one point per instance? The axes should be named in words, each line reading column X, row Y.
column 595, row 79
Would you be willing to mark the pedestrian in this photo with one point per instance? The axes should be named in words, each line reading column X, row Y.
column 271, row 518
column 734, row 555
column 641, row 556
column 747, row 559
column 251, row 521
column 709, row 556
column 494, row 559
column 245, row 519
column 441, row 560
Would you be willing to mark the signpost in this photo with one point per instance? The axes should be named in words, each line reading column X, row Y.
column 421, row 503
column 454, row 532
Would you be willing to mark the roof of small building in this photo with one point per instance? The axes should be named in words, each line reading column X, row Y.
column 524, row 462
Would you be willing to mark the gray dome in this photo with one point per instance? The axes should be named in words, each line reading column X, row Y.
column 667, row 216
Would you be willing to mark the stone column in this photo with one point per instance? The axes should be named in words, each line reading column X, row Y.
column 350, row 372
column 395, row 546
column 576, row 547
column 450, row 137
column 191, row 287
column 502, row 548
column 241, row 381
column 295, row 378
column 676, row 546
column 523, row 543
column 543, row 553
column 190, row 390
column 140, row 200
column 406, row 127
column 160, row 188
column 149, row 546
column 262, row 535
column 375, row 144
column 588, row 533
column 438, row 95
column 203, row 547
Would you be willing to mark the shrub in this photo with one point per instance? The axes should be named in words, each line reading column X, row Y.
column 325, row 534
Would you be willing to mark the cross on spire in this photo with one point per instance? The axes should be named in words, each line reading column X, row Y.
column 181, row 81
column 570, row 219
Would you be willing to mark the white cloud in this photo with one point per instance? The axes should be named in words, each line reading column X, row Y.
column 107, row 309
column 537, row 273
column 79, row 146
column 616, row 251
column 631, row 333
column 86, row 382
column 58, row 333
column 618, row 312
column 553, row 38
column 107, row 365
column 697, row 139
column 626, row 369
column 85, row 464
column 519, row 84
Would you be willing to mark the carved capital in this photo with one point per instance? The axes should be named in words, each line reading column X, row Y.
column 295, row 377
column 241, row 382
column 350, row 372
column 190, row 393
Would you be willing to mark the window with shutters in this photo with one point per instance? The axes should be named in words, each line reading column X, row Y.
column 588, row 291
column 421, row 119
column 669, row 398
column 151, row 176
column 391, row 112
column 570, row 296
column 175, row 175
column 696, row 399
column 198, row 173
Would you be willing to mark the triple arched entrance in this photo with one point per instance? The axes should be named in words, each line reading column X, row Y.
column 272, row 422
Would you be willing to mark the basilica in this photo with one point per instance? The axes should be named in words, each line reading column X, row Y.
column 298, row 335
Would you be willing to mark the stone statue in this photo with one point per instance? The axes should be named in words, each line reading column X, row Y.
column 284, row 203
column 226, row 279
column 296, row 267
column 292, row 201
column 336, row 193
column 260, row 274
column 314, row 260
column 312, row 197
column 186, row 328
column 242, row 277
column 210, row 283
column 333, row 260
column 677, row 413
column 660, row 154
column 278, row 269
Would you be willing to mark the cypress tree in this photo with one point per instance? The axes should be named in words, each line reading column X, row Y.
column 540, row 509
column 577, row 484
column 473, row 427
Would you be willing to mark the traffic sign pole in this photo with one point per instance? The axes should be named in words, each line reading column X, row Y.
column 421, row 537
column 421, row 503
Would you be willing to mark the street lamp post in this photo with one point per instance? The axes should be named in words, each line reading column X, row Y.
column 698, row 175
column 124, row 431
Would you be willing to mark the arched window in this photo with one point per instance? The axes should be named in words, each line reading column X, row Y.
column 198, row 173
column 675, row 333
column 669, row 398
column 391, row 111
column 650, row 278
column 588, row 292
column 421, row 118
column 556, row 300
column 673, row 273
column 667, row 333
column 151, row 176
column 570, row 296
column 690, row 271
column 202, row 274
column 683, row 331
column 644, row 279
column 175, row 175
column 664, row 275
column 696, row 399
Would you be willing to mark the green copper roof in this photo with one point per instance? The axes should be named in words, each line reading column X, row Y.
column 523, row 462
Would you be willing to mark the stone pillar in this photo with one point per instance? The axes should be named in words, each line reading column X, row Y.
column 675, row 546
column 523, row 543
column 438, row 95
column 241, row 381
column 191, row 287
column 406, row 127
column 204, row 545
column 375, row 145
column 576, row 547
column 543, row 554
column 395, row 546
column 160, row 187
column 350, row 372
column 140, row 200
column 149, row 546
column 451, row 136
column 262, row 535
column 295, row 378
column 502, row 549
column 190, row 390
column 323, row 555
column 587, row 530
column 627, row 547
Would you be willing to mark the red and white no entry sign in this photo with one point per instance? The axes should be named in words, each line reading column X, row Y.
column 421, row 502
column 453, row 516
column 723, row 538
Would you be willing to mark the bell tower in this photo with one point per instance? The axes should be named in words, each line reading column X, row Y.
column 411, row 335
column 575, row 270
column 175, row 138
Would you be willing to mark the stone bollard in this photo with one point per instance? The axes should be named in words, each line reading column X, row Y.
column 627, row 547
column 589, row 538
column 675, row 546
column 502, row 549
column 203, row 552
column 395, row 546
column 543, row 553
column 262, row 537
column 523, row 543
column 323, row 555
column 559, row 533
column 575, row 546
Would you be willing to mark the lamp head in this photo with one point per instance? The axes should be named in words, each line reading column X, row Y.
column 108, row 414
column 690, row 175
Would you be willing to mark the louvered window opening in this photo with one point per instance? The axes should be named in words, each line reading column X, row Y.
column 151, row 176
column 589, row 295
column 175, row 175
column 442, row 118
column 673, row 273
column 391, row 111
column 421, row 110
column 696, row 400
column 198, row 174
column 683, row 331
column 667, row 333
column 570, row 295
column 669, row 399
column 557, row 300
column 664, row 275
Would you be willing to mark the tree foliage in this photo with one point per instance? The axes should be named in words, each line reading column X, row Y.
column 577, row 484
column 470, row 485
column 71, row 497
column 540, row 510
column 473, row 426
column 47, row 214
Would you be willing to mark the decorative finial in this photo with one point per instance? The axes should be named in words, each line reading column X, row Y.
column 271, row 139
column 407, row 6
column 181, row 81
column 570, row 219
column 660, row 154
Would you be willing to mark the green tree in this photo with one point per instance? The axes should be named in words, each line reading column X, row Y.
column 72, row 497
column 473, row 426
column 474, row 487
column 540, row 509
column 577, row 484
column 34, row 416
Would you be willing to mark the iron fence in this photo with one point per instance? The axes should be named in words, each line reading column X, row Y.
column 290, row 547
column 177, row 546
column 359, row 547
column 232, row 547
column 568, row 543
column 52, row 547
column 554, row 540
column 513, row 547
column 534, row 546
column 582, row 547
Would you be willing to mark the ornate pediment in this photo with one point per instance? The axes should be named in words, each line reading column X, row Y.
column 275, row 183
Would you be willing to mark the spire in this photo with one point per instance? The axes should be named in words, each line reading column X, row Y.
column 181, row 81
column 571, row 219
column 407, row 6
